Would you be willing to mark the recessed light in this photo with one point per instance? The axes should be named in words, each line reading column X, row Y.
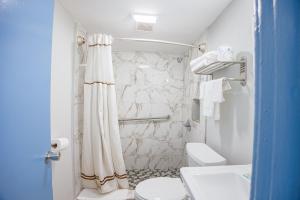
column 145, row 18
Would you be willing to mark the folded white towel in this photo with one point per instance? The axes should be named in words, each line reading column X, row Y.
column 211, row 94
column 195, row 89
column 203, row 60
column 213, row 55
column 223, row 53
column 201, row 64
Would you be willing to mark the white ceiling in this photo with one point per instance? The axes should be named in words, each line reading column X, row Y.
column 178, row 20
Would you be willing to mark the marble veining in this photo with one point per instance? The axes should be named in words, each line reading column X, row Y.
column 150, row 85
column 191, row 90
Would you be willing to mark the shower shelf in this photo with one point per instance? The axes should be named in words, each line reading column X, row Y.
column 219, row 65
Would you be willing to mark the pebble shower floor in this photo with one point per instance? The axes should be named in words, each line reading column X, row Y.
column 137, row 175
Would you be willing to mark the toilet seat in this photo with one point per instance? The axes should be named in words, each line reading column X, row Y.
column 161, row 188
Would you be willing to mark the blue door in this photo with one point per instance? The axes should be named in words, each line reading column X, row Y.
column 25, row 61
column 276, row 161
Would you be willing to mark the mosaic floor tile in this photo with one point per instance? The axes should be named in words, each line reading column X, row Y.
column 138, row 175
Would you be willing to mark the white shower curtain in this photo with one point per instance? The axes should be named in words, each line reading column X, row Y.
column 102, row 160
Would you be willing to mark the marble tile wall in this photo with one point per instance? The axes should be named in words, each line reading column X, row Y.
column 150, row 85
column 191, row 85
column 78, row 80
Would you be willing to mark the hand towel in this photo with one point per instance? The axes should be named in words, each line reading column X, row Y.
column 207, row 106
column 195, row 89
column 211, row 94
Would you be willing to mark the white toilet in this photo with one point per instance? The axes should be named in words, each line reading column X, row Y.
column 165, row 188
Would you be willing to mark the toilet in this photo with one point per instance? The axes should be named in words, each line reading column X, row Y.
column 165, row 188
column 201, row 155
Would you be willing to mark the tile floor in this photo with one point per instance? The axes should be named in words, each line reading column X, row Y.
column 138, row 175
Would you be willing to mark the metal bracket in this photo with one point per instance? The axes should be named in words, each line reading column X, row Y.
column 243, row 71
column 53, row 156
column 202, row 47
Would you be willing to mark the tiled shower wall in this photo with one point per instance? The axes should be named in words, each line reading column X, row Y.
column 191, row 91
column 147, row 85
column 150, row 85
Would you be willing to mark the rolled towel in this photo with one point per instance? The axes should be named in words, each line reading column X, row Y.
column 225, row 53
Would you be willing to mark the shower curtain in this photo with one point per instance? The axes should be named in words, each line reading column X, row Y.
column 103, row 165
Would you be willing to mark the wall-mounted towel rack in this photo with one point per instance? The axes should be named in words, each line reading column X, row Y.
column 219, row 65
column 162, row 118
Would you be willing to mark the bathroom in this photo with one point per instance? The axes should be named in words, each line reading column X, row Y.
column 150, row 100
column 155, row 80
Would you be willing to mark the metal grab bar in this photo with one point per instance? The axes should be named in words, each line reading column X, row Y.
column 146, row 119
column 235, row 79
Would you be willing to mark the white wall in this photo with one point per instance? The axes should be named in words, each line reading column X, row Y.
column 232, row 136
column 61, row 100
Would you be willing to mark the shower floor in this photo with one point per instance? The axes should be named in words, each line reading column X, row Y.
column 137, row 175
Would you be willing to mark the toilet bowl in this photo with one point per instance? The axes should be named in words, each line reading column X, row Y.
column 165, row 188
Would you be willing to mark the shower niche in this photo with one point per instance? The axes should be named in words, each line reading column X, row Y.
column 195, row 110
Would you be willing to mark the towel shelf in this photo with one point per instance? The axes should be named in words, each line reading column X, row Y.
column 216, row 66
column 219, row 65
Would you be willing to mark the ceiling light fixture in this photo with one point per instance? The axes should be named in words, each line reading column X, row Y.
column 145, row 18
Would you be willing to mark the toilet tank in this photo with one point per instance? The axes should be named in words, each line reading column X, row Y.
column 199, row 154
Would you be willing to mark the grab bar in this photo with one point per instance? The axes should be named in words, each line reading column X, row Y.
column 167, row 117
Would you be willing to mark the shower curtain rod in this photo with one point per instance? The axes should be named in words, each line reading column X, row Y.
column 81, row 40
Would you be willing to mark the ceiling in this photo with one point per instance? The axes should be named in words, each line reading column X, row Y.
column 178, row 20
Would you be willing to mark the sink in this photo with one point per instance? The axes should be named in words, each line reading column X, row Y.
column 217, row 183
column 223, row 186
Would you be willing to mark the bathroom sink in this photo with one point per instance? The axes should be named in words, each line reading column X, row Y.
column 217, row 183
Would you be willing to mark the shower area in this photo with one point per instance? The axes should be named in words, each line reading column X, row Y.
column 151, row 96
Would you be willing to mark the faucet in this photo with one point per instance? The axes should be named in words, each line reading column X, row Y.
column 187, row 125
column 247, row 176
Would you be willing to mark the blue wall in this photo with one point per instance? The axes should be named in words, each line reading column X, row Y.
column 276, row 161
column 25, row 63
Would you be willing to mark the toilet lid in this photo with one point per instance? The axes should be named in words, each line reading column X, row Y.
column 161, row 188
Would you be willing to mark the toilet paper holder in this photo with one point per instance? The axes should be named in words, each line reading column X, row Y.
column 50, row 155
column 57, row 145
